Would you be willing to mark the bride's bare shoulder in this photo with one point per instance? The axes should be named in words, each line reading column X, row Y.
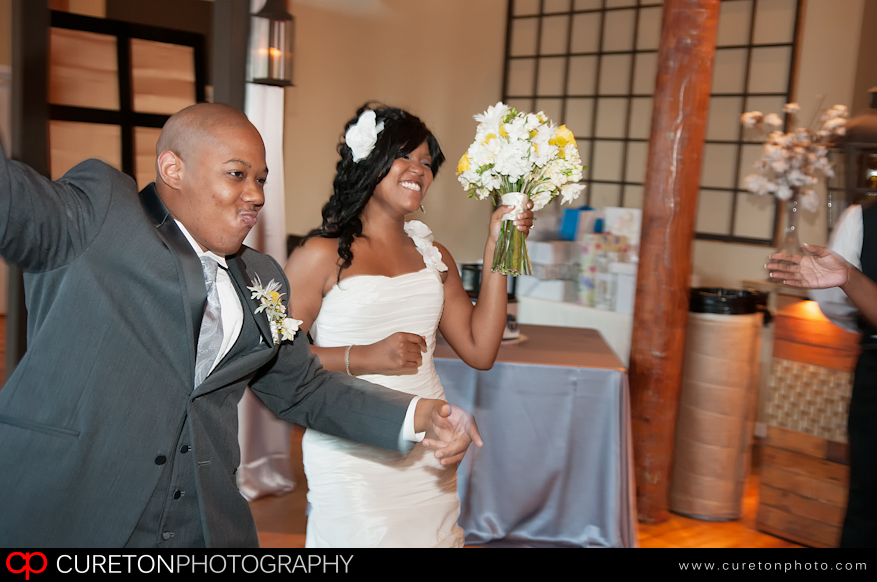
column 447, row 259
column 315, row 257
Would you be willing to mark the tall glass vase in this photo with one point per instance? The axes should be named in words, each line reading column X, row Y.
column 790, row 243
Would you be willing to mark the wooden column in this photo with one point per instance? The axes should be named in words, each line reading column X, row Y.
column 685, row 65
column 30, row 138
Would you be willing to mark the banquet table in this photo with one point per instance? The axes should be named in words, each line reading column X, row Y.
column 556, row 468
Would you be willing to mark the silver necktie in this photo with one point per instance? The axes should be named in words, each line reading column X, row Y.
column 210, row 338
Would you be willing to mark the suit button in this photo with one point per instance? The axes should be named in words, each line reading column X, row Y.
column 184, row 449
column 167, row 535
column 178, row 494
column 160, row 460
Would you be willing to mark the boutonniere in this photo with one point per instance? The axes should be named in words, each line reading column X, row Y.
column 282, row 328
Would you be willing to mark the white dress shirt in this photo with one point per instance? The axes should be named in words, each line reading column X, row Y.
column 232, row 314
column 846, row 240
column 230, row 309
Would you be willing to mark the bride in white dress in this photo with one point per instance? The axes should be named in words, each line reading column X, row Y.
column 373, row 290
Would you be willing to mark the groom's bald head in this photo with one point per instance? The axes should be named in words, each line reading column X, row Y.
column 210, row 170
column 200, row 125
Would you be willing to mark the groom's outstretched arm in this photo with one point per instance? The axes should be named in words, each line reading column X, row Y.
column 298, row 389
column 46, row 224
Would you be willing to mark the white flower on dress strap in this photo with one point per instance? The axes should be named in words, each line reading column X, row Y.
column 363, row 135
column 422, row 237
column 282, row 328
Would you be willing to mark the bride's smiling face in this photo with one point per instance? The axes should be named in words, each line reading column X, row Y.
column 406, row 184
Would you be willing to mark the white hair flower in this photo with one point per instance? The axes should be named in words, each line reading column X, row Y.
column 363, row 135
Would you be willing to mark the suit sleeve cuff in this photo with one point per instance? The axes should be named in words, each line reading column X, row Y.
column 408, row 435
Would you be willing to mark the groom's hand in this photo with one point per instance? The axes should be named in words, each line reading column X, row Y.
column 449, row 429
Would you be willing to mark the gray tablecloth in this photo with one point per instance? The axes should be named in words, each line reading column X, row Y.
column 556, row 468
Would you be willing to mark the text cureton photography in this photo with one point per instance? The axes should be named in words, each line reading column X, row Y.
column 200, row 563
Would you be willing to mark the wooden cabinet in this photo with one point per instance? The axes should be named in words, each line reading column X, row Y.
column 804, row 471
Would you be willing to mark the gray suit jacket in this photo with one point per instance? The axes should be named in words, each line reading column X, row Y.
column 103, row 401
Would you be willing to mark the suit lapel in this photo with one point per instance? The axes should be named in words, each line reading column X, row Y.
column 238, row 271
column 188, row 265
column 254, row 345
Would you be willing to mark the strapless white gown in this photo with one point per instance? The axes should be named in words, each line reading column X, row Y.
column 363, row 496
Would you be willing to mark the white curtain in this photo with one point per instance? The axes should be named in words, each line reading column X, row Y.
column 265, row 439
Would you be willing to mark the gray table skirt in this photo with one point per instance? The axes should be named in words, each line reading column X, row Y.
column 556, row 467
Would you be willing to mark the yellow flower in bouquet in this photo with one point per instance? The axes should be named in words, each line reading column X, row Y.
column 562, row 137
column 517, row 157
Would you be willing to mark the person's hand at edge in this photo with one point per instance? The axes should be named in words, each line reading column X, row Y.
column 449, row 429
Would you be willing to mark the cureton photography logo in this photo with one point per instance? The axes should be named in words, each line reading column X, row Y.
column 24, row 563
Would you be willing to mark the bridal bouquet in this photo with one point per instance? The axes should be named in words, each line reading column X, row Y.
column 517, row 157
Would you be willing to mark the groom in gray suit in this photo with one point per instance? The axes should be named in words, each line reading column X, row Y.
column 119, row 425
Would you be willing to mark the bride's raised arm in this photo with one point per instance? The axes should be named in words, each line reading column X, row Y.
column 475, row 332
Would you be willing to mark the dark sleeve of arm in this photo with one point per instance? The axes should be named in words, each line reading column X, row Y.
column 45, row 224
column 297, row 388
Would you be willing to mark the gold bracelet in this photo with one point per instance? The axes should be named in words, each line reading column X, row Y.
column 347, row 360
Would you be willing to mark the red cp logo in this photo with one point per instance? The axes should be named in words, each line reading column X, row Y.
column 26, row 568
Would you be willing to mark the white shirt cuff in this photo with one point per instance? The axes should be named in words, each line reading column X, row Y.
column 408, row 435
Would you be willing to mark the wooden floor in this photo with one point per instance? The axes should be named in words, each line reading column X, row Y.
column 282, row 521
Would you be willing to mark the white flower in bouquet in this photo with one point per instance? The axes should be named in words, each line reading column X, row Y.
column 791, row 163
column 490, row 121
column 570, row 192
column 523, row 153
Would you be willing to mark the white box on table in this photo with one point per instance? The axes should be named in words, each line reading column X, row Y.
column 625, row 285
column 558, row 290
column 554, row 252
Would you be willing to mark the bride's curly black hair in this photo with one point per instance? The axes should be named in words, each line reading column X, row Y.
column 355, row 182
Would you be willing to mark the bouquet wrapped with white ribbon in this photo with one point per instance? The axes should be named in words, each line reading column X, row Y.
column 517, row 157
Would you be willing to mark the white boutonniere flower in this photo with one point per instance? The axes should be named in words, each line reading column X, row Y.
column 283, row 328
column 363, row 135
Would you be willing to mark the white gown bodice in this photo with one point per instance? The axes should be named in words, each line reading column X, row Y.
column 364, row 309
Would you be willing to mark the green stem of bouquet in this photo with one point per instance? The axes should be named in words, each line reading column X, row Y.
column 510, row 257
